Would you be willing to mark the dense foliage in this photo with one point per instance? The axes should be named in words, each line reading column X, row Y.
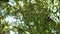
column 30, row 17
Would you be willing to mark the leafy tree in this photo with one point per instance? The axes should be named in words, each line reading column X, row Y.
column 30, row 17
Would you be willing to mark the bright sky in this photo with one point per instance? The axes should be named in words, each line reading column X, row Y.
column 12, row 32
column 10, row 19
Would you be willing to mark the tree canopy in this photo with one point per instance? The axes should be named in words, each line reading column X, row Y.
column 30, row 17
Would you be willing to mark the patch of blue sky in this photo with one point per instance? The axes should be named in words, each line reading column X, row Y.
column 12, row 3
column 13, row 21
column 10, row 19
column 12, row 32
